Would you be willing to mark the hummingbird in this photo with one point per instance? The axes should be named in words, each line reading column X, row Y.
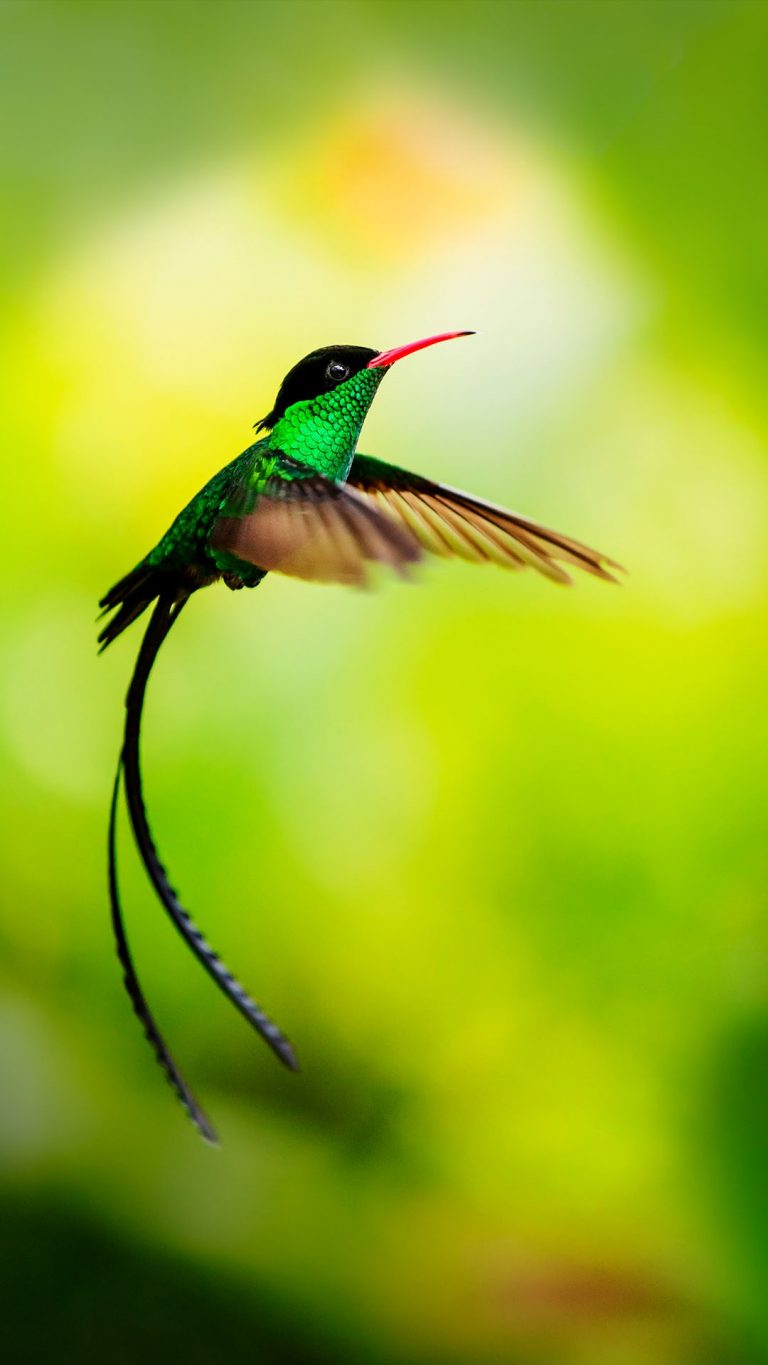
column 299, row 501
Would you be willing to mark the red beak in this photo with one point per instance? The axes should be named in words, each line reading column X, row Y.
column 389, row 357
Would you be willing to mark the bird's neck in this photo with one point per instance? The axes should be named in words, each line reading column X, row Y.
column 323, row 432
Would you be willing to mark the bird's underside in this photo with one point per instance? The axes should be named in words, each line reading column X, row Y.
column 272, row 510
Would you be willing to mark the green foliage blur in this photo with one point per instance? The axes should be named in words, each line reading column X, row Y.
column 492, row 852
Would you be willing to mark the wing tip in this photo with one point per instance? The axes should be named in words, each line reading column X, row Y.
column 603, row 567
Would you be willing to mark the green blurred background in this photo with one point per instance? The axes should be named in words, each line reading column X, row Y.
column 492, row 852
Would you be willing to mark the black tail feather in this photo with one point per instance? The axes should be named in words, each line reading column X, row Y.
column 133, row 987
column 164, row 616
column 131, row 597
column 171, row 602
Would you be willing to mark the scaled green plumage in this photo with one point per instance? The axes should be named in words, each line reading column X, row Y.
column 299, row 501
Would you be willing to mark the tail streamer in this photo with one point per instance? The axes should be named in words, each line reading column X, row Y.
column 166, row 612
column 132, row 985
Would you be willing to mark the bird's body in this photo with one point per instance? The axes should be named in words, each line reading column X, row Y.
column 303, row 502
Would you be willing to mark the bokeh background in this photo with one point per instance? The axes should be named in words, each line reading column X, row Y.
column 493, row 852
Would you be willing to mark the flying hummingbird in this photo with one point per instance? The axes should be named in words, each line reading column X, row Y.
column 299, row 501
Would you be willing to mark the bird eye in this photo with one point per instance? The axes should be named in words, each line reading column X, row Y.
column 336, row 371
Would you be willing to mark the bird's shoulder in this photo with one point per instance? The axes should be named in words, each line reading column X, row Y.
column 190, row 530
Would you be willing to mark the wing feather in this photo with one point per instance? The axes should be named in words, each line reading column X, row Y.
column 309, row 527
column 448, row 521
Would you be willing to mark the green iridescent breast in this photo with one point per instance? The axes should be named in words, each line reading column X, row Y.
column 323, row 432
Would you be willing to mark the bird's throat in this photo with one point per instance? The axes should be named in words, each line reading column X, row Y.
column 323, row 432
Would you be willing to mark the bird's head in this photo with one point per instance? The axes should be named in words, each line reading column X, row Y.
column 326, row 396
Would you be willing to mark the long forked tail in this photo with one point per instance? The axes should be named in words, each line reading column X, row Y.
column 141, row 1009
column 170, row 603
column 163, row 617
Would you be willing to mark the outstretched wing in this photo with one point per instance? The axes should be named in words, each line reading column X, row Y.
column 446, row 521
column 299, row 523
